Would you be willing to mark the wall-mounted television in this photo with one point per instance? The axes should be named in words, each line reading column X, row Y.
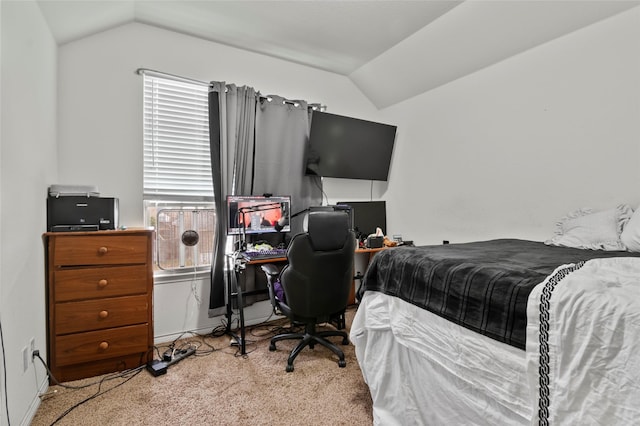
column 350, row 148
column 253, row 214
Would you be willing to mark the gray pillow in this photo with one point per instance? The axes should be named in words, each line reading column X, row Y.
column 594, row 230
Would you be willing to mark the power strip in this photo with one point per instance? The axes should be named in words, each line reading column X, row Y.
column 181, row 354
column 158, row 368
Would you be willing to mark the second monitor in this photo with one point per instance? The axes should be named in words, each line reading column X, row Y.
column 367, row 216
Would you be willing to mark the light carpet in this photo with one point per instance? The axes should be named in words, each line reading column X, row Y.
column 218, row 387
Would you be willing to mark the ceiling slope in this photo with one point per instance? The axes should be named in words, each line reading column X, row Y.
column 336, row 36
column 392, row 50
column 470, row 37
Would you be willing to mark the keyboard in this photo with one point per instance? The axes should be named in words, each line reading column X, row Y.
column 264, row 254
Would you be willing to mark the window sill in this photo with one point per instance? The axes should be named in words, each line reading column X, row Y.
column 169, row 277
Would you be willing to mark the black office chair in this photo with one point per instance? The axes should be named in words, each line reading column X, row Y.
column 316, row 281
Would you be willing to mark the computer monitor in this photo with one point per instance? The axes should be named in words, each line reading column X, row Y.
column 367, row 216
column 255, row 214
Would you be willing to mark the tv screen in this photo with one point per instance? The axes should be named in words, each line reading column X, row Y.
column 345, row 147
column 252, row 214
column 367, row 216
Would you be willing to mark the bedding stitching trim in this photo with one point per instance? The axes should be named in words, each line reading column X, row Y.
column 543, row 369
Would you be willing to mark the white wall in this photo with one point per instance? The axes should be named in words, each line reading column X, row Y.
column 100, row 99
column 28, row 166
column 508, row 150
column 503, row 152
column 100, row 125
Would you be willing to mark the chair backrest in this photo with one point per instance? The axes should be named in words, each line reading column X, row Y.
column 319, row 276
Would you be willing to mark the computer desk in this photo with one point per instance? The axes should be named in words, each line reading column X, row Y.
column 235, row 269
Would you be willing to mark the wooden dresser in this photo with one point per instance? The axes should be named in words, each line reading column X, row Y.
column 100, row 302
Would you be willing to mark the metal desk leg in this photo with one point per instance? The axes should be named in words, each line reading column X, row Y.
column 234, row 289
column 229, row 296
column 243, row 342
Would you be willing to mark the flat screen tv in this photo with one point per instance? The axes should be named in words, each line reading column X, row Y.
column 350, row 148
column 252, row 214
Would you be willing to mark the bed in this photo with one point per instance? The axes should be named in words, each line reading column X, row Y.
column 504, row 332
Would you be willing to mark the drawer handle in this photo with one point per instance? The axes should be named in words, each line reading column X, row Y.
column 103, row 250
column 103, row 283
column 103, row 314
column 103, row 346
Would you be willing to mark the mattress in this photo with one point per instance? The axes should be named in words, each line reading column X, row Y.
column 483, row 286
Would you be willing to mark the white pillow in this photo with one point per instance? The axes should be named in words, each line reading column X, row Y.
column 593, row 230
column 630, row 236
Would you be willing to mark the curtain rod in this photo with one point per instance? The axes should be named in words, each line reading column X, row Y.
column 141, row 71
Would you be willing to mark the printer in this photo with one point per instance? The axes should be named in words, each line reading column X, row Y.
column 80, row 208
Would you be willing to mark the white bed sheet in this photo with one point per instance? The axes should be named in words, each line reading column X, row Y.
column 456, row 376
column 593, row 364
column 424, row 370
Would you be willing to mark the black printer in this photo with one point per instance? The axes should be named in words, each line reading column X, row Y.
column 80, row 208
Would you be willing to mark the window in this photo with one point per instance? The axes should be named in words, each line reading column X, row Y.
column 178, row 190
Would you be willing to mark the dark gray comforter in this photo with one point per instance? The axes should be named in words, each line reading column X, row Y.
column 482, row 286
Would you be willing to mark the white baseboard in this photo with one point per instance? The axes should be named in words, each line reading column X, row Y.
column 255, row 314
column 35, row 402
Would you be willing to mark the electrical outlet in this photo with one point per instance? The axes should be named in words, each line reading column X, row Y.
column 25, row 359
column 32, row 346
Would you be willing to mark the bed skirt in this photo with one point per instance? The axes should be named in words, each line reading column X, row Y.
column 456, row 376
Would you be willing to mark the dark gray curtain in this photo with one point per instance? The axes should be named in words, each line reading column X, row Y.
column 257, row 147
column 239, row 139
column 232, row 112
column 282, row 133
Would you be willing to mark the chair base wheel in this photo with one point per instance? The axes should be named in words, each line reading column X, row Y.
column 342, row 363
column 289, row 368
column 272, row 347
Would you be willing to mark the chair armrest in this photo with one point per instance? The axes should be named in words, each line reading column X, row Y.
column 272, row 273
column 271, row 270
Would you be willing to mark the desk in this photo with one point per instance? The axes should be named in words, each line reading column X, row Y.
column 360, row 268
column 236, row 266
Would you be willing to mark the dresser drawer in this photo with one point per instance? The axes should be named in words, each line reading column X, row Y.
column 92, row 283
column 72, row 317
column 100, row 250
column 103, row 344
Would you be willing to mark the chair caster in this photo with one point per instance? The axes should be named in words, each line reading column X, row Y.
column 272, row 347
column 342, row 363
column 345, row 341
column 289, row 368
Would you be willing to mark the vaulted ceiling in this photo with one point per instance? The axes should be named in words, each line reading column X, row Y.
column 417, row 45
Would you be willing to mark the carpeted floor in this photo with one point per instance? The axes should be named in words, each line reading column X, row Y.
column 218, row 387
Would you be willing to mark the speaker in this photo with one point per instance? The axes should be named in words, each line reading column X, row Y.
column 375, row 242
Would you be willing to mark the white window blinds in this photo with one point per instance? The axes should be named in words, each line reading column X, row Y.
column 177, row 162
